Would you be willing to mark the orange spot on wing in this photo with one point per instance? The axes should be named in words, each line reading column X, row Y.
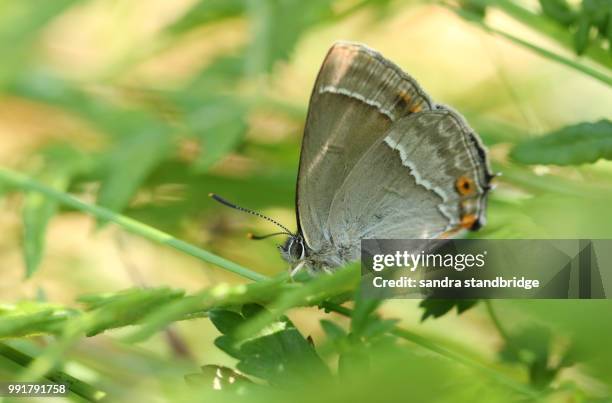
column 468, row 221
column 416, row 108
column 465, row 186
column 405, row 96
column 449, row 233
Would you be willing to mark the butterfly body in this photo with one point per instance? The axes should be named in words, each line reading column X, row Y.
column 381, row 160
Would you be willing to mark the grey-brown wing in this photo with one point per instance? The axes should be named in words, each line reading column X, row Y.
column 427, row 177
column 358, row 94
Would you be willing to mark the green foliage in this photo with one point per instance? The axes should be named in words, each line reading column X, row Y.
column 215, row 377
column 435, row 308
column 532, row 347
column 572, row 145
column 220, row 125
column 204, row 12
column 60, row 164
column 278, row 354
column 21, row 23
column 559, row 22
column 277, row 28
column 558, row 10
column 29, row 318
column 122, row 176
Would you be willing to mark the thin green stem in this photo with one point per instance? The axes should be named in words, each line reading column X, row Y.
column 76, row 386
column 25, row 183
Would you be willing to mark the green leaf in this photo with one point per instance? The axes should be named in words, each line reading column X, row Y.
column 37, row 211
column 220, row 378
column 558, row 10
column 220, row 125
column 572, row 145
column 278, row 353
column 220, row 75
column 206, row 11
column 282, row 357
column 251, row 310
column 476, row 8
column 379, row 327
column 582, row 34
column 129, row 164
column 225, row 321
column 313, row 292
column 228, row 345
column 531, row 346
column 439, row 307
column 29, row 319
column 20, row 24
column 277, row 25
column 332, row 329
column 115, row 121
column 126, row 307
column 61, row 163
column 363, row 313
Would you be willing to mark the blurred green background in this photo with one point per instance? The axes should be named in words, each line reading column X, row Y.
column 144, row 107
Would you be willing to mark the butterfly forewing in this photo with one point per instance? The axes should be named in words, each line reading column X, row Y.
column 357, row 96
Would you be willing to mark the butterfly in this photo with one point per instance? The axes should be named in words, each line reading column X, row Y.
column 379, row 160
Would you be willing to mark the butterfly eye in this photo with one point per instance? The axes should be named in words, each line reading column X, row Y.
column 297, row 249
column 464, row 185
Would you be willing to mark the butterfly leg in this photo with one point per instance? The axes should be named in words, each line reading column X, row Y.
column 297, row 269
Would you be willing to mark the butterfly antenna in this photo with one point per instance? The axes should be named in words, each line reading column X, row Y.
column 255, row 213
column 254, row 237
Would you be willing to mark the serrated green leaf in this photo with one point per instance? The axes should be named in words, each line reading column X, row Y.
column 571, row 145
column 283, row 357
column 228, row 346
column 278, row 353
column 225, row 321
column 438, row 307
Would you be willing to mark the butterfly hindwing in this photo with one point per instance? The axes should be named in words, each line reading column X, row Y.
column 407, row 184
